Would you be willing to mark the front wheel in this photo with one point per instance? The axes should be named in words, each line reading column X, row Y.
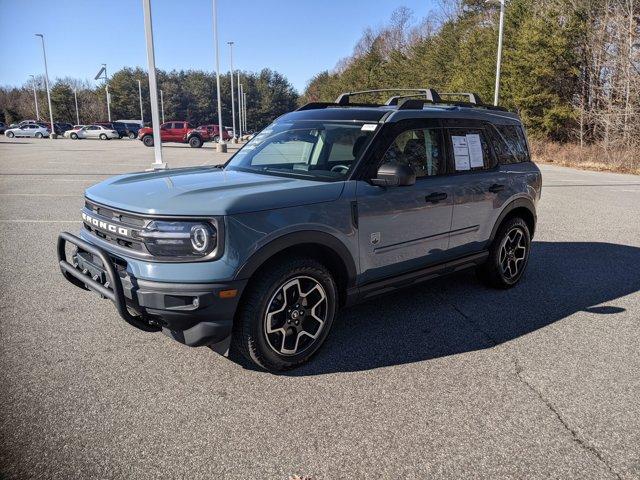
column 286, row 314
column 10, row 134
column 74, row 136
column 132, row 135
column 148, row 141
column 216, row 138
column 508, row 255
column 195, row 142
column 39, row 135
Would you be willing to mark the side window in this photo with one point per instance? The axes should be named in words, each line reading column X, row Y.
column 420, row 149
column 178, row 125
column 469, row 149
column 510, row 144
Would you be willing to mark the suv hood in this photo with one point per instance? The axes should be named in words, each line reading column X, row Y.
column 208, row 191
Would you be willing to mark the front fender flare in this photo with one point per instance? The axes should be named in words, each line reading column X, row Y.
column 283, row 242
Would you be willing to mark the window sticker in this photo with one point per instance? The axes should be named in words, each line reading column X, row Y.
column 474, row 145
column 461, row 152
column 369, row 127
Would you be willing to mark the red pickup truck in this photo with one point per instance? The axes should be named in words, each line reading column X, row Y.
column 178, row 132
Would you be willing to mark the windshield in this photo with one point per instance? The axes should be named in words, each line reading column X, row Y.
column 324, row 151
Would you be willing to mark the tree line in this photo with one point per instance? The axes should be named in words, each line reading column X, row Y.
column 188, row 95
column 571, row 68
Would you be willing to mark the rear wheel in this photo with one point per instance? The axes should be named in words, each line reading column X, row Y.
column 508, row 255
column 216, row 138
column 286, row 314
column 74, row 136
column 10, row 134
column 103, row 136
column 195, row 142
column 39, row 135
column 132, row 135
column 148, row 140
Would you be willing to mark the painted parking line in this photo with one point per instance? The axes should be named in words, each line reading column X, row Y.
column 19, row 220
column 37, row 195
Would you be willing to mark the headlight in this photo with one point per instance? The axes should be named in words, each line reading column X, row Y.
column 180, row 239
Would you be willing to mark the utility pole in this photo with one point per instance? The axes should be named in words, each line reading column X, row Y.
column 221, row 147
column 75, row 96
column 162, row 104
column 499, row 59
column 140, row 95
column 244, row 106
column 233, row 102
column 239, row 108
column 35, row 96
column 153, row 87
column 52, row 135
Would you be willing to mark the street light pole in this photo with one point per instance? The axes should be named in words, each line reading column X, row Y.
column 233, row 102
column 140, row 95
column 106, row 89
column 75, row 96
column 499, row 59
column 46, row 84
column 221, row 147
column 162, row 104
column 239, row 108
column 153, row 86
column 35, row 96
column 244, row 106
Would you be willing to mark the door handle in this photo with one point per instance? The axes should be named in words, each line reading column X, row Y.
column 496, row 187
column 436, row 197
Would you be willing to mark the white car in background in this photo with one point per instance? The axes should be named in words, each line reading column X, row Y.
column 75, row 128
column 94, row 131
column 30, row 130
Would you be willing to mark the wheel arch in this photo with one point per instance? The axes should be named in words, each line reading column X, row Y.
column 521, row 207
column 322, row 246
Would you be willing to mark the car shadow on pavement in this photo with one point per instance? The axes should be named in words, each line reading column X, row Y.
column 457, row 314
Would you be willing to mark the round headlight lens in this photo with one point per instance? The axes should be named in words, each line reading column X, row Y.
column 199, row 238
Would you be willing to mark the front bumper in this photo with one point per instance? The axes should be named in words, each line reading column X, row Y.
column 193, row 314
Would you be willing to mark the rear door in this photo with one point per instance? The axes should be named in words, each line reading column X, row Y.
column 480, row 188
column 406, row 228
column 177, row 131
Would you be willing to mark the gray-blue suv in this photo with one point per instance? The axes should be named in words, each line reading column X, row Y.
column 327, row 206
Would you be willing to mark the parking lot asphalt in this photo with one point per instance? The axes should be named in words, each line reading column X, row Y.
column 442, row 380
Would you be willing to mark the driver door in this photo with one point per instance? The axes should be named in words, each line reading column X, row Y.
column 406, row 228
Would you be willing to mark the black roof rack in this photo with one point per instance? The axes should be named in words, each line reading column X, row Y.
column 473, row 97
column 429, row 93
column 410, row 101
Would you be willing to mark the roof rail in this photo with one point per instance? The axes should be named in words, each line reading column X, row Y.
column 321, row 105
column 473, row 97
column 430, row 94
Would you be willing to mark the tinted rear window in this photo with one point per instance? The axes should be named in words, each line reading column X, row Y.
column 510, row 144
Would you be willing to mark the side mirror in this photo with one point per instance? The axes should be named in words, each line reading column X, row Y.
column 394, row 175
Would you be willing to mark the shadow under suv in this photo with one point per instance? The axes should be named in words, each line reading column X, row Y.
column 327, row 206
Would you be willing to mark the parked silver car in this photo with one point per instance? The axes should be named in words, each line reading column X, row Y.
column 28, row 130
column 94, row 131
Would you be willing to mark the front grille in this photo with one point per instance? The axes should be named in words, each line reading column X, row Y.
column 131, row 222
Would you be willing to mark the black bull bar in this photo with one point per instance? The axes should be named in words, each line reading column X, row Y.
column 112, row 289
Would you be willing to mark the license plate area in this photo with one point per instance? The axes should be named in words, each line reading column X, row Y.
column 92, row 266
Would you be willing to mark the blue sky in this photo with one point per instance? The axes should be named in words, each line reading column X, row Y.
column 297, row 38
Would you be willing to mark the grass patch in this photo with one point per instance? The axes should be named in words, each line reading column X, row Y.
column 591, row 157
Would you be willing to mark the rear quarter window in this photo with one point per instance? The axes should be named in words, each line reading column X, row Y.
column 510, row 144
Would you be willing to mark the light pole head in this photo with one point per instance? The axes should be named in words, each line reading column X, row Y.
column 230, row 43
column 39, row 35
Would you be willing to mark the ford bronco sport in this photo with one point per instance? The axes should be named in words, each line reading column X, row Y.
column 327, row 206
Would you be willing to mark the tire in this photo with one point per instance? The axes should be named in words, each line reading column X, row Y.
column 103, row 136
column 74, row 136
column 147, row 140
column 132, row 135
column 270, row 328
column 195, row 142
column 216, row 138
column 9, row 134
column 508, row 255
column 39, row 135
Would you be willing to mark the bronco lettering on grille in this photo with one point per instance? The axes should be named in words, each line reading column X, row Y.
column 106, row 226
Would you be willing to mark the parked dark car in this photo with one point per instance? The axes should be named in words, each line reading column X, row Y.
column 132, row 130
column 3, row 127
